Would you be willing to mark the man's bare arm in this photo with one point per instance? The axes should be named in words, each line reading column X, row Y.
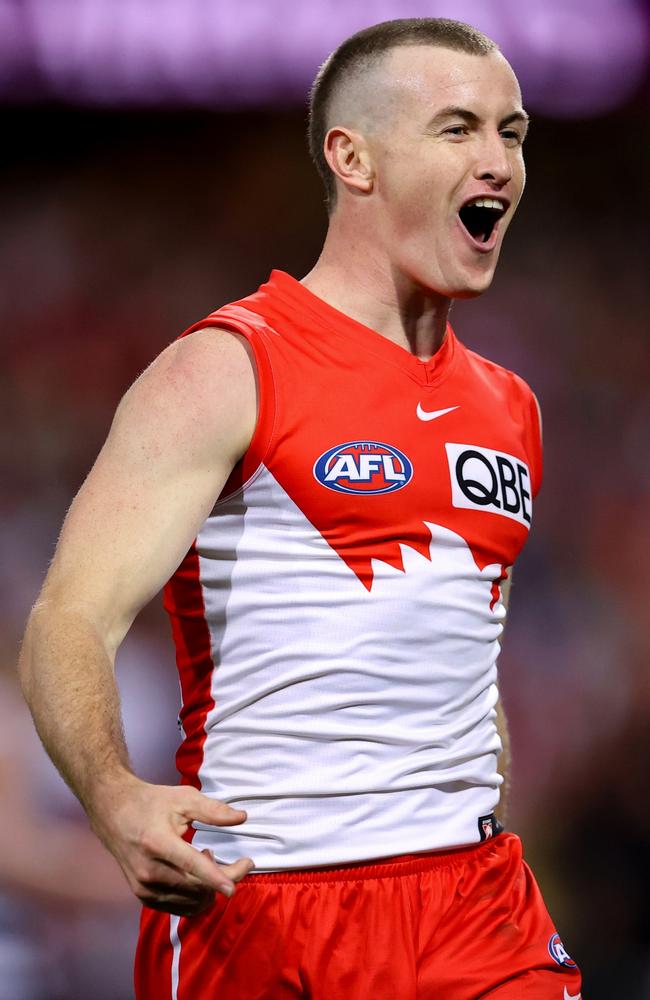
column 175, row 438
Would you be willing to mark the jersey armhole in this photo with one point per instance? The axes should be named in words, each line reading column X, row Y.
column 537, row 455
column 250, row 463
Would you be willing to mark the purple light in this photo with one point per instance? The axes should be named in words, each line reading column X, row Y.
column 573, row 56
column 581, row 59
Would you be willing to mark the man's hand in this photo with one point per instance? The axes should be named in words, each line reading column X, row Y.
column 143, row 825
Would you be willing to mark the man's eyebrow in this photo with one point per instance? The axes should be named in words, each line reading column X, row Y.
column 516, row 116
column 473, row 119
column 454, row 112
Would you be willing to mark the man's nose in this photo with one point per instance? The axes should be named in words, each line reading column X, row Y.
column 493, row 163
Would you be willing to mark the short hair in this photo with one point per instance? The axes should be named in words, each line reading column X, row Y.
column 361, row 50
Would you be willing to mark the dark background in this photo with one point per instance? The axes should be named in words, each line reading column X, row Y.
column 118, row 230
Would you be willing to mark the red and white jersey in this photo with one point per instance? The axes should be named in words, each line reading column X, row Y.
column 337, row 619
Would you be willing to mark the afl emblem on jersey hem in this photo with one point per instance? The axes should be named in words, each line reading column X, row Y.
column 367, row 467
column 558, row 952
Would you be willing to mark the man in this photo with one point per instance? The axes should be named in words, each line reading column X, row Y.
column 337, row 488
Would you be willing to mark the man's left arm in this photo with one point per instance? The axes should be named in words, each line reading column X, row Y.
column 502, row 729
column 502, row 722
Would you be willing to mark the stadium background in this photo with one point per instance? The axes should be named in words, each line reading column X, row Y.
column 154, row 167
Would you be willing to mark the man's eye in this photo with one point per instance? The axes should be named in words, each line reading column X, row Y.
column 456, row 130
column 512, row 135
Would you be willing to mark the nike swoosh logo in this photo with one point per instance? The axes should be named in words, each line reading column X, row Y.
column 571, row 996
column 432, row 414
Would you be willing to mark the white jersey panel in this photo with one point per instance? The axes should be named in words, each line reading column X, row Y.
column 343, row 718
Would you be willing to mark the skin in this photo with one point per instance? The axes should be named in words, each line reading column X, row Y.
column 394, row 258
column 175, row 438
column 395, row 255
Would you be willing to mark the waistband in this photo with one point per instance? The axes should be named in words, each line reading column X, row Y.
column 398, row 865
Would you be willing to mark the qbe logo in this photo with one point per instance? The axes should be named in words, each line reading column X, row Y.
column 482, row 479
column 363, row 467
column 558, row 952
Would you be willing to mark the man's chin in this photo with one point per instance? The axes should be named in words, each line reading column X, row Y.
column 466, row 283
column 470, row 293
column 471, row 286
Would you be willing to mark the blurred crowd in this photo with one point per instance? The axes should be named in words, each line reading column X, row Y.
column 121, row 229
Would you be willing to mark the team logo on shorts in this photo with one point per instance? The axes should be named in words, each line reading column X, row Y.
column 363, row 467
column 558, row 952
column 488, row 826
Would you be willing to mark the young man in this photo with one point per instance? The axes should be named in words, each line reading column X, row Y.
column 337, row 488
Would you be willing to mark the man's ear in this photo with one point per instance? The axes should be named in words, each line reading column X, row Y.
column 349, row 159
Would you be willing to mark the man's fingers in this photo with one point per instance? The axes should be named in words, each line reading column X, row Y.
column 167, row 887
column 198, row 864
column 189, row 894
column 164, row 876
column 212, row 812
column 146, row 834
column 237, row 870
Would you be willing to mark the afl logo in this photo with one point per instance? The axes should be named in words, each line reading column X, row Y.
column 363, row 467
column 559, row 954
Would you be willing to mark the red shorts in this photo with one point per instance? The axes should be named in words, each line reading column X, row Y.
column 458, row 925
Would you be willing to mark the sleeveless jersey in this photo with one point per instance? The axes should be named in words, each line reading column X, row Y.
column 337, row 618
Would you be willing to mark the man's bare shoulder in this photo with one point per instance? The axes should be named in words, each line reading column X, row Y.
column 200, row 392
column 175, row 438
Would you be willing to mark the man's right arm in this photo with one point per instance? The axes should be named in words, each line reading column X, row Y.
column 175, row 438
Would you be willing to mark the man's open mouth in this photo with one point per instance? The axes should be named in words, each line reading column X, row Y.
column 480, row 215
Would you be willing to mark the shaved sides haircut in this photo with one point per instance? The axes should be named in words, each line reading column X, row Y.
column 362, row 51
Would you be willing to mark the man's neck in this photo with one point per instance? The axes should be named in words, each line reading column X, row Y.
column 362, row 287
